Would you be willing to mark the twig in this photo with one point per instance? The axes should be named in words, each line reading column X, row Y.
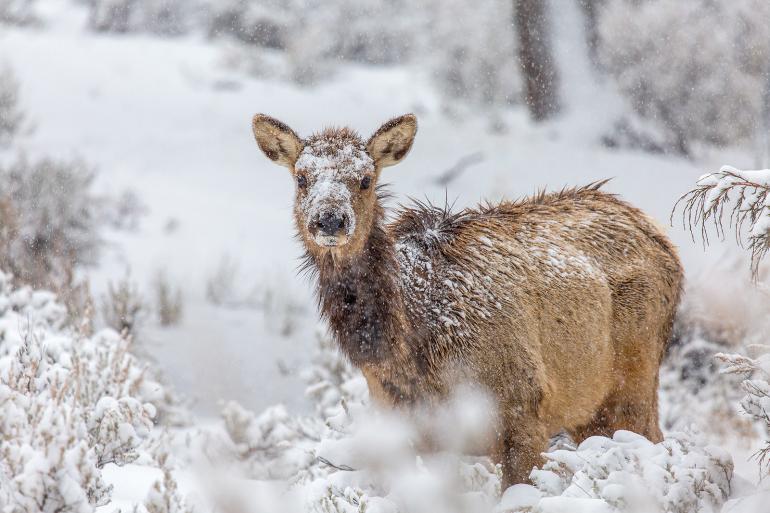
column 344, row 468
column 460, row 166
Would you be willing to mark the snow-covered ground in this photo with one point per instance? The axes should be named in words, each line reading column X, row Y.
column 170, row 120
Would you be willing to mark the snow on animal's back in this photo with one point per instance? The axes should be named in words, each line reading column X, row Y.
column 477, row 262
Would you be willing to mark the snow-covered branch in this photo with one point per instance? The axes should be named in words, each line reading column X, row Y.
column 749, row 194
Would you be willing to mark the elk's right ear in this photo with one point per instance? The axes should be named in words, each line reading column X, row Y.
column 276, row 140
column 393, row 140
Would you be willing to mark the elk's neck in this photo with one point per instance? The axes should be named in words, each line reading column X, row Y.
column 362, row 300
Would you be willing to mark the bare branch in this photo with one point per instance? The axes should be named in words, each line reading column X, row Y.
column 460, row 166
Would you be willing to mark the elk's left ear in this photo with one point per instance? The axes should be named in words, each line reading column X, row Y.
column 393, row 140
column 276, row 140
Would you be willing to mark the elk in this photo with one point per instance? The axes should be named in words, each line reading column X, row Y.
column 559, row 306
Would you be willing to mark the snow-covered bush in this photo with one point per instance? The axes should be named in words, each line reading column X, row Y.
column 749, row 194
column 750, row 200
column 168, row 300
column 69, row 404
column 348, row 457
column 720, row 312
column 11, row 116
column 164, row 496
column 266, row 23
column 123, row 307
column 162, row 17
column 699, row 67
column 111, row 15
column 50, row 221
column 628, row 473
column 693, row 393
column 18, row 12
column 473, row 61
column 756, row 386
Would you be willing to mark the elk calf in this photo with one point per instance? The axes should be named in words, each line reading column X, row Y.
column 560, row 305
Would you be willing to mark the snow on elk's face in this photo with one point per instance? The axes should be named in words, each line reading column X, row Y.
column 335, row 179
column 335, row 174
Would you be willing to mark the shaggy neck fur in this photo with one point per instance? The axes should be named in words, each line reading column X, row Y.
column 361, row 298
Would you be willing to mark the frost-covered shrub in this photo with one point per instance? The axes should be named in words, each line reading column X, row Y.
column 164, row 496
column 756, row 387
column 69, row 404
column 18, row 12
column 123, row 307
column 111, row 15
column 266, row 23
column 689, row 65
column 719, row 313
column 348, row 457
column 162, row 17
column 317, row 35
column 11, row 116
column 628, row 473
column 473, row 60
column 224, row 286
column 332, row 380
column 273, row 445
column 694, row 393
column 168, row 300
column 50, row 221
column 125, row 212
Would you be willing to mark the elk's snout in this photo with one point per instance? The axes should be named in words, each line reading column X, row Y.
column 330, row 228
column 332, row 224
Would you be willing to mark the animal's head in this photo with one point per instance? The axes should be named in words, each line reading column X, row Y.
column 335, row 175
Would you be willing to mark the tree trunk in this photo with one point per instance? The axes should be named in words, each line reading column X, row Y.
column 591, row 12
column 535, row 59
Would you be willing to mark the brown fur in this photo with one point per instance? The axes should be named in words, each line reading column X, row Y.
column 560, row 306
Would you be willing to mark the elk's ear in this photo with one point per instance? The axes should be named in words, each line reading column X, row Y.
column 276, row 140
column 393, row 140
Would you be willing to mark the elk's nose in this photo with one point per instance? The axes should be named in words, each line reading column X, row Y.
column 331, row 224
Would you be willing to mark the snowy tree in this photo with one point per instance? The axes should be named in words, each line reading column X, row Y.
column 696, row 66
column 538, row 68
column 591, row 10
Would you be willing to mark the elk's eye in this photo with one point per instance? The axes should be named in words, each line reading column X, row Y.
column 301, row 181
column 366, row 182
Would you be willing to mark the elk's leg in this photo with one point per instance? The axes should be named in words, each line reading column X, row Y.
column 633, row 408
column 520, row 451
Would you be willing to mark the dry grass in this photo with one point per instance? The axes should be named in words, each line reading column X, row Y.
column 168, row 300
column 123, row 307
